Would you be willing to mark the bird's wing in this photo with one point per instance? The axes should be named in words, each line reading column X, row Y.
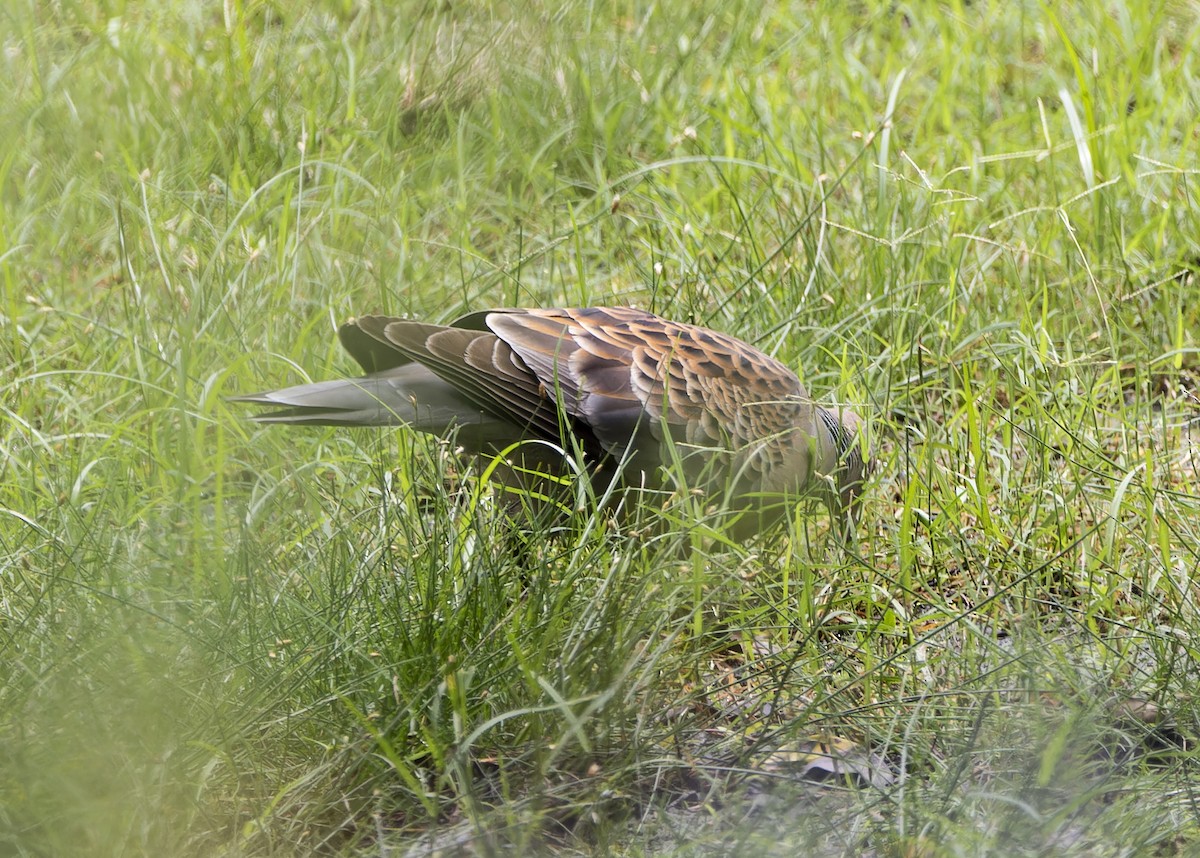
column 479, row 365
column 618, row 378
column 366, row 340
column 622, row 371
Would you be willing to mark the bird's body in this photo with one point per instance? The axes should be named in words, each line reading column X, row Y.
column 632, row 391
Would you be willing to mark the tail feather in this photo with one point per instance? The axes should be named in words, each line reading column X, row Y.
column 408, row 395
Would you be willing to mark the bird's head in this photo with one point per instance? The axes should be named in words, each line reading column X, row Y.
column 854, row 465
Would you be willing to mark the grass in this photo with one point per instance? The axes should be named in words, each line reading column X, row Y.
column 973, row 221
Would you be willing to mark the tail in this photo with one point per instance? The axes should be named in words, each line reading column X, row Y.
column 408, row 395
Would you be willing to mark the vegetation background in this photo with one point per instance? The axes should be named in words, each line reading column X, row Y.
column 974, row 221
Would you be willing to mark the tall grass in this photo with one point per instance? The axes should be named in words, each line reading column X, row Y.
column 972, row 221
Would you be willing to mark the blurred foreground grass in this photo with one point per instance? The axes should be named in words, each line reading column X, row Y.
column 974, row 221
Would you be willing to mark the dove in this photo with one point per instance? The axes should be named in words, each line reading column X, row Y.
column 646, row 401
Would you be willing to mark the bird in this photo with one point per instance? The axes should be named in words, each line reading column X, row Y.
column 647, row 403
